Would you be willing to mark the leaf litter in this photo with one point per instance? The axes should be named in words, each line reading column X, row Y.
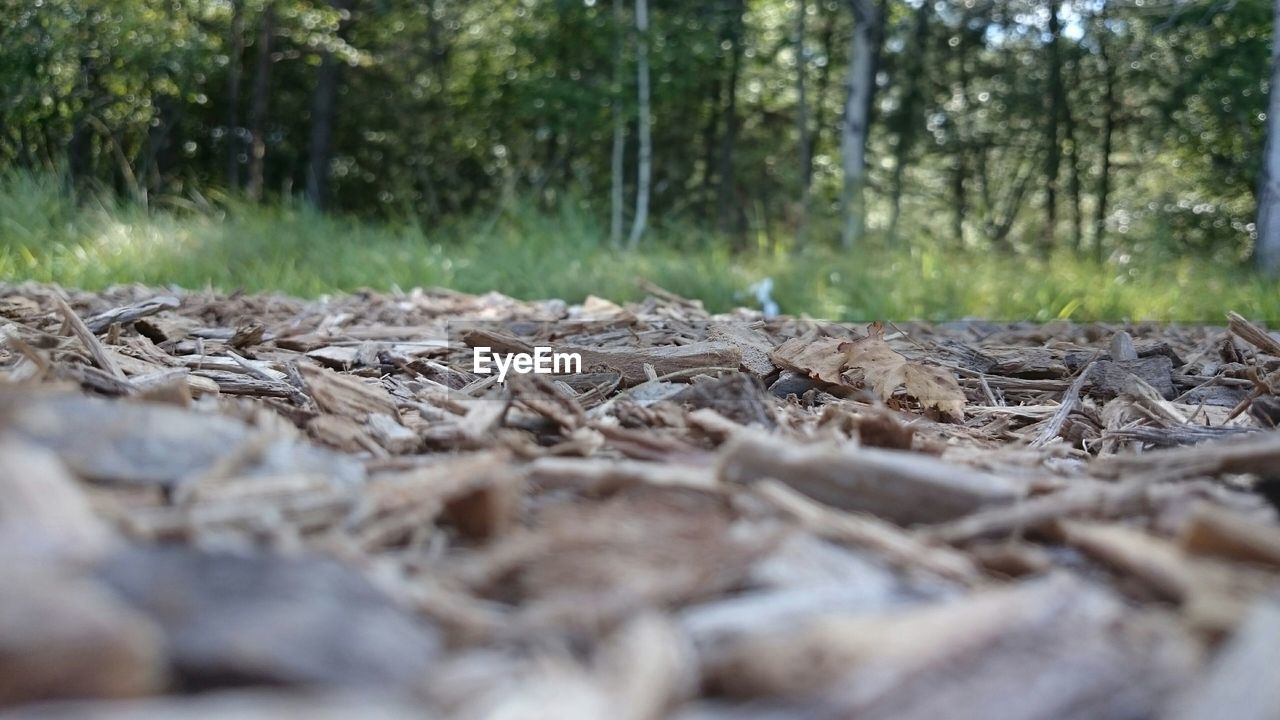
column 259, row 506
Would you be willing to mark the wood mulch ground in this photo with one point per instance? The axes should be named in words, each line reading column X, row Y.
column 243, row 506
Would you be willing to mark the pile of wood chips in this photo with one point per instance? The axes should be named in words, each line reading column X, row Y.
column 249, row 506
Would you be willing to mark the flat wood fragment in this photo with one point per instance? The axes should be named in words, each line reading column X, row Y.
column 665, row 360
column 344, row 395
column 1220, row 532
column 1240, row 684
column 906, row 488
column 131, row 313
column 62, row 637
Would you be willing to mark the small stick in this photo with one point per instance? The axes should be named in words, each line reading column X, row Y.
column 1069, row 401
column 87, row 338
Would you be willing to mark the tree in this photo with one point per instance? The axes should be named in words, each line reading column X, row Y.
column 908, row 118
column 617, row 154
column 726, row 218
column 235, row 61
column 1053, row 134
column 1267, row 250
column 261, row 101
column 644, row 174
column 802, row 122
column 323, row 114
column 1109, row 109
column 863, row 55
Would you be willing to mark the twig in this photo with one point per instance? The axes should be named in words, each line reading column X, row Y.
column 87, row 338
column 1069, row 401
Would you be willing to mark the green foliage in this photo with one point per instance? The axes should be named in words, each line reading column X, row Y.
column 449, row 110
column 532, row 254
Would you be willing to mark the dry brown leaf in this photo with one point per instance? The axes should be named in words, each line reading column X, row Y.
column 819, row 358
column 872, row 363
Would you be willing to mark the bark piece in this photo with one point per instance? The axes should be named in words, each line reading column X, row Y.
column 1241, row 683
column 345, row 395
column 65, row 637
column 1086, row 655
column 235, row 705
column 1253, row 334
column 479, row 492
column 903, row 487
column 665, row 360
column 336, row 357
column 147, row 444
column 738, row 396
column 1110, row 378
column 754, row 345
column 1256, row 453
column 1219, row 532
column 234, row 620
column 131, row 313
column 897, row 547
column 43, row 512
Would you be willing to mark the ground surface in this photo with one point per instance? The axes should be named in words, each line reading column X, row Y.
column 315, row 509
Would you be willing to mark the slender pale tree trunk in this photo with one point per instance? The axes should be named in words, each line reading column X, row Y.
column 644, row 172
column 261, row 101
column 619, row 133
column 1267, row 251
column 857, row 119
column 802, row 123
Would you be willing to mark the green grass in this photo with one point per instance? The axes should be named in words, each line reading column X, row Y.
column 527, row 254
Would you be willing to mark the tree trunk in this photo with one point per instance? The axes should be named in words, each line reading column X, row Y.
column 1267, row 251
column 645, row 170
column 821, row 91
column 1108, row 131
column 908, row 120
column 80, row 146
column 159, row 146
column 1053, row 146
column 857, row 119
column 429, row 173
column 619, row 134
column 261, row 98
column 320, row 142
column 960, row 161
column 802, row 123
column 234, row 61
column 710, row 136
column 1073, row 165
column 324, row 102
column 726, row 218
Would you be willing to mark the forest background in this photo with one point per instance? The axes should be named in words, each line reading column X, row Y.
column 864, row 158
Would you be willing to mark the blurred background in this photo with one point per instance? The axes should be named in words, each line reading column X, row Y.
column 868, row 158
